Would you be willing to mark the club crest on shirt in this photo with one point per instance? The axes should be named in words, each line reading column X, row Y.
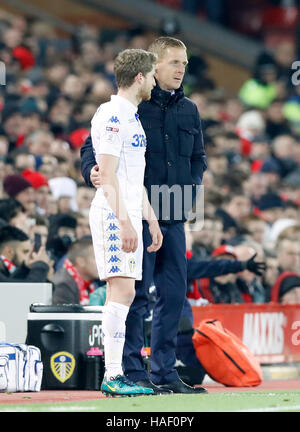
column 131, row 263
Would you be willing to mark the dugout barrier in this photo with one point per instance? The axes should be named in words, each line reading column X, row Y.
column 68, row 336
column 70, row 340
column 271, row 331
column 15, row 301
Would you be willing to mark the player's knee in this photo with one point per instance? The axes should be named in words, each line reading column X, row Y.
column 129, row 297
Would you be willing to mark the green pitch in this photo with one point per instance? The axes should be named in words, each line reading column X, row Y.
column 262, row 401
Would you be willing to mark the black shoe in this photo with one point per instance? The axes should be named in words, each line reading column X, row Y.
column 180, row 387
column 156, row 389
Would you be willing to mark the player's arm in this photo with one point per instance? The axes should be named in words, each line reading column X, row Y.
column 154, row 229
column 110, row 186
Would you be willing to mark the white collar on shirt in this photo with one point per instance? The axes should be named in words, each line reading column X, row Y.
column 129, row 106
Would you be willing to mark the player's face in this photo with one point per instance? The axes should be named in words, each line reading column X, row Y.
column 148, row 84
column 170, row 69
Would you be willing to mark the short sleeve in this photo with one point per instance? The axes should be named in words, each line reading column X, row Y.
column 106, row 134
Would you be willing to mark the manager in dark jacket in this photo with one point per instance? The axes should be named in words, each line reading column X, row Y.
column 175, row 162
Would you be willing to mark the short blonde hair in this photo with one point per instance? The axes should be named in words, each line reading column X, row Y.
column 129, row 63
column 159, row 45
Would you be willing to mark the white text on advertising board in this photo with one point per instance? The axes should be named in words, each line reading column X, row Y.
column 263, row 333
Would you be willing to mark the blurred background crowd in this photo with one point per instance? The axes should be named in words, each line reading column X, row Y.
column 54, row 84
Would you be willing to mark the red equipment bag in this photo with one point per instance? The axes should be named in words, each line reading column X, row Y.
column 224, row 356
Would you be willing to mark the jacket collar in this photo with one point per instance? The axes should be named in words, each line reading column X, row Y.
column 164, row 98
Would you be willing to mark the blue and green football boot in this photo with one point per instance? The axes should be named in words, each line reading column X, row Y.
column 122, row 386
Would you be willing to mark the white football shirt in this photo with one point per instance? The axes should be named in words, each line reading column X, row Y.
column 116, row 130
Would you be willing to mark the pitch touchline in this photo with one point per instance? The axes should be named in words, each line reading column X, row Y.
column 269, row 409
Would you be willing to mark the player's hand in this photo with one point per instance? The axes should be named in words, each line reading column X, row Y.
column 95, row 176
column 129, row 237
column 157, row 237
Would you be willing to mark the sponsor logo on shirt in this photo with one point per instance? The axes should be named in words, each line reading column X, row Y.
column 112, row 129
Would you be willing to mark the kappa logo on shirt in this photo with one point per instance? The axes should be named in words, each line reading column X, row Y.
column 113, row 248
column 112, row 227
column 114, row 119
column 114, row 269
column 113, row 237
column 114, row 258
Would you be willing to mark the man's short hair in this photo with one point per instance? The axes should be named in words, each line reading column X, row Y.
column 10, row 234
column 129, row 63
column 159, row 45
column 10, row 208
column 79, row 248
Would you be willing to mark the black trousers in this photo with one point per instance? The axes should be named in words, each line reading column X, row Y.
column 167, row 268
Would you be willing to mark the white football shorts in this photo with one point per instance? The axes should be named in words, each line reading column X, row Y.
column 111, row 260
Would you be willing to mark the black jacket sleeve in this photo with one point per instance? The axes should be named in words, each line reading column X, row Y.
column 198, row 158
column 87, row 160
column 37, row 272
column 5, row 279
column 208, row 269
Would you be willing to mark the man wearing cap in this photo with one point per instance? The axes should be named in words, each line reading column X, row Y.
column 16, row 186
column 42, row 189
column 271, row 170
column 286, row 289
column 270, row 207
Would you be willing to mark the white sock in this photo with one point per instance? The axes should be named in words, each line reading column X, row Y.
column 113, row 330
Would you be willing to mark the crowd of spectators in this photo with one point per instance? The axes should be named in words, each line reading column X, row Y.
column 55, row 83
